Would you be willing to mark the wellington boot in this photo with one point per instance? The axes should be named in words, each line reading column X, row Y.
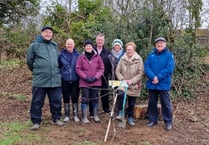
column 95, row 109
column 67, row 112
column 75, row 112
column 84, row 108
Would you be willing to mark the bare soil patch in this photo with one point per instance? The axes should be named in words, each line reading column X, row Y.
column 190, row 125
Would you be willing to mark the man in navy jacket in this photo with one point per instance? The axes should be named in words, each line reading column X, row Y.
column 159, row 67
column 70, row 80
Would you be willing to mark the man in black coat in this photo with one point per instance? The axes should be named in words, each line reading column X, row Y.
column 103, row 52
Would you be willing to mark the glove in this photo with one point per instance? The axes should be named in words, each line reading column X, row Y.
column 93, row 79
column 88, row 80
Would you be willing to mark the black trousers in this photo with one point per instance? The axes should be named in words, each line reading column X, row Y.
column 119, row 101
column 70, row 90
column 37, row 103
column 89, row 95
column 104, row 93
column 131, row 104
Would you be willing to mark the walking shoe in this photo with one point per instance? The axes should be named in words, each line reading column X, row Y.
column 96, row 119
column 120, row 115
column 168, row 126
column 85, row 121
column 131, row 121
column 151, row 123
column 106, row 110
column 76, row 119
column 35, row 127
column 66, row 119
column 91, row 116
column 59, row 123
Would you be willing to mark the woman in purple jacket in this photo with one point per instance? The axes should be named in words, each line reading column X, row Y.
column 89, row 68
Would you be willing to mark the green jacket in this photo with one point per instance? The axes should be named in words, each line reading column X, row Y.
column 42, row 60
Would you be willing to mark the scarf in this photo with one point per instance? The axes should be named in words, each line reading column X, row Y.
column 89, row 55
column 117, row 54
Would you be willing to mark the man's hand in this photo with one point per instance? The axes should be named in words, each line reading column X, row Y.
column 155, row 80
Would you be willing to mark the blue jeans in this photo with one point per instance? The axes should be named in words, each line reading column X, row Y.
column 165, row 104
column 37, row 103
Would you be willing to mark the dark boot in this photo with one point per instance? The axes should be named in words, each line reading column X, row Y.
column 67, row 112
column 84, row 110
column 75, row 112
column 95, row 109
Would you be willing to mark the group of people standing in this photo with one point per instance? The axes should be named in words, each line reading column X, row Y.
column 62, row 76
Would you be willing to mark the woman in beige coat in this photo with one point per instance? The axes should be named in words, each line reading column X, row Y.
column 131, row 70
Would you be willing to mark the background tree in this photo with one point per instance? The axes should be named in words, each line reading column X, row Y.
column 11, row 11
column 130, row 20
column 15, row 21
column 90, row 19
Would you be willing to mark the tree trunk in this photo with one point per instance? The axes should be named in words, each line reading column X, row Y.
column 140, row 111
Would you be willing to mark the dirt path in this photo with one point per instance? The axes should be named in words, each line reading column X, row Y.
column 191, row 119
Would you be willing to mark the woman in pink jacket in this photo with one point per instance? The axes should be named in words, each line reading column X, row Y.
column 89, row 68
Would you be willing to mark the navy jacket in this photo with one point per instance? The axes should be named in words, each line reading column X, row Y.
column 104, row 55
column 67, row 64
column 160, row 65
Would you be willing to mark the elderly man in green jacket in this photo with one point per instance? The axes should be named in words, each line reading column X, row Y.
column 42, row 60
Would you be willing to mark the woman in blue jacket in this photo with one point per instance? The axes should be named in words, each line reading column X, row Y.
column 159, row 67
column 70, row 81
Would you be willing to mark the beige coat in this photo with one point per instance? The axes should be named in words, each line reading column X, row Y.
column 131, row 69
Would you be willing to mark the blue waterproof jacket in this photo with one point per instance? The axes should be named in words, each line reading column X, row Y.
column 160, row 65
column 67, row 65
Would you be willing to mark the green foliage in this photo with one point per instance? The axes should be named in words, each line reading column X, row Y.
column 81, row 25
column 92, row 18
column 9, row 62
column 195, row 7
column 59, row 19
column 87, row 7
column 140, row 22
column 20, row 97
column 18, row 40
column 13, row 10
column 187, row 75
